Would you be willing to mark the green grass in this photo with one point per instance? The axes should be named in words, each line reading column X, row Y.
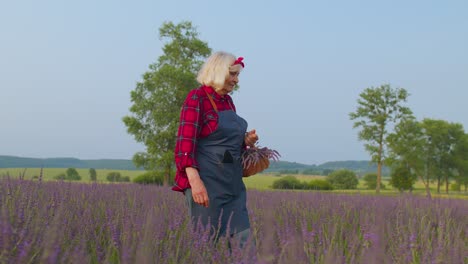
column 50, row 173
column 259, row 181
column 265, row 181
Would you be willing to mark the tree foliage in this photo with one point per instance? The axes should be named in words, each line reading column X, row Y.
column 443, row 139
column 158, row 97
column 370, row 181
column 151, row 177
column 343, row 179
column 378, row 109
column 461, row 162
column 61, row 176
column 72, row 174
column 311, row 172
column 319, row 184
column 292, row 183
column 288, row 182
column 409, row 149
column 432, row 150
column 402, row 178
column 92, row 174
column 114, row 176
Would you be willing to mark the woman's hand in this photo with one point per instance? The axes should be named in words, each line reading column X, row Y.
column 199, row 193
column 251, row 138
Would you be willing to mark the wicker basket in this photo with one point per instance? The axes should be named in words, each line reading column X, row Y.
column 256, row 159
column 258, row 167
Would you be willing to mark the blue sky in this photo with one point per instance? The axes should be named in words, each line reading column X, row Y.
column 67, row 68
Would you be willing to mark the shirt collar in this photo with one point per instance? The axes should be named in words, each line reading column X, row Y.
column 212, row 92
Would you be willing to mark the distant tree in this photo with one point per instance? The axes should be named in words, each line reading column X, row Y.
column 72, row 174
column 92, row 174
column 61, row 177
column 378, row 109
column 370, row 181
column 125, row 179
column 113, row 176
column 443, row 138
column 296, row 171
column 343, row 179
column 409, row 147
column 402, row 178
column 158, row 98
column 319, row 184
column 311, row 172
column 461, row 162
column 327, row 172
column 150, row 177
column 288, row 182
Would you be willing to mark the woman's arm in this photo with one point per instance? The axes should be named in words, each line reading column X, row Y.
column 199, row 193
column 187, row 136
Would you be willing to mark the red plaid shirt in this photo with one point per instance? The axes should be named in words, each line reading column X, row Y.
column 198, row 119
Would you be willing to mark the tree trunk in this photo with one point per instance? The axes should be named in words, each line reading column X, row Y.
column 446, row 184
column 379, row 176
column 426, row 182
column 426, row 186
column 438, row 184
column 379, row 164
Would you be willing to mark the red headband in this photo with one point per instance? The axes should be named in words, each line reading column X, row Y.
column 239, row 61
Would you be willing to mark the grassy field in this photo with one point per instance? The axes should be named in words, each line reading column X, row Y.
column 265, row 181
column 258, row 182
column 50, row 173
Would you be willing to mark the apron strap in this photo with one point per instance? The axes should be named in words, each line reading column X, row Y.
column 211, row 101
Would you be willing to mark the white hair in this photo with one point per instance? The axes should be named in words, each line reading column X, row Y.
column 216, row 69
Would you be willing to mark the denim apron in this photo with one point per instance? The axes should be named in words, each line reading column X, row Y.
column 219, row 160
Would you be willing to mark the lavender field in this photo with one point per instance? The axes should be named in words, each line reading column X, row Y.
column 61, row 222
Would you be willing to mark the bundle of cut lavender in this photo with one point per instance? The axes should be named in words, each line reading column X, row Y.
column 256, row 159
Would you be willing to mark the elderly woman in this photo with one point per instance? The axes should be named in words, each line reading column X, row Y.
column 210, row 139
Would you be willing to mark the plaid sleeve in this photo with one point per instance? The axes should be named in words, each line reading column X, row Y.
column 197, row 120
column 189, row 130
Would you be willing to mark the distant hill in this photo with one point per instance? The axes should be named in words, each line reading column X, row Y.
column 20, row 162
column 359, row 166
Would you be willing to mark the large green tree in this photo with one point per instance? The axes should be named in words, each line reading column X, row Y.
column 157, row 99
column 456, row 153
column 434, row 150
column 378, row 109
column 409, row 153
column 443, row 139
